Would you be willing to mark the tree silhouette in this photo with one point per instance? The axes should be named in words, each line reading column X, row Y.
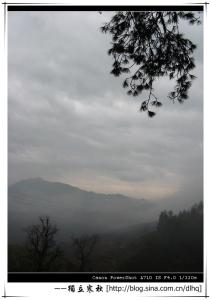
column 149, row 45
column 41, row 245
column 175, row 245
column 84, row 247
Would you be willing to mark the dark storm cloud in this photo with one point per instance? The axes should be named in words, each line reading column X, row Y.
column 71, row 121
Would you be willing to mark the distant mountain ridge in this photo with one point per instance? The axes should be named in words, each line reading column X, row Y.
column 56, row 186
column 73, row 209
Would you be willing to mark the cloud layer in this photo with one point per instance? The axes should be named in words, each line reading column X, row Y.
column 70, row 120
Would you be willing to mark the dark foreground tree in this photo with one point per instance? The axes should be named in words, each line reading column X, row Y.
column 149, row 45
column 41, row 247
column 176, row 245
column 84, row 247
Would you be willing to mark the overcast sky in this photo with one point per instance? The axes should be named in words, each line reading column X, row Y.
column 71, row 121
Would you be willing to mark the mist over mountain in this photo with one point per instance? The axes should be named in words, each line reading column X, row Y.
column 120, row 233
column 73, row 209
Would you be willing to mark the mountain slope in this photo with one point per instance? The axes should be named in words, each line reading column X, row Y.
column 74, row 210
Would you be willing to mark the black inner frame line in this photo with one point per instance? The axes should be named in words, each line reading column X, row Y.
column 32, row 7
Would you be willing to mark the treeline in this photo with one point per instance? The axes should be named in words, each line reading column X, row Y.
column 174, row 244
